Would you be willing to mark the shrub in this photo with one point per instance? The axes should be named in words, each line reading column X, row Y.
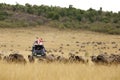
column 3, row 15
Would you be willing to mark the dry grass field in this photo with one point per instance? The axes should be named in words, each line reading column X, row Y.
column 60, row 42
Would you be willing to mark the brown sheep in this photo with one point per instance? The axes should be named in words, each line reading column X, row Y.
column 62, row 59
column 15, row 58
column 106, row 59
column 94, row 59
column 101, row 58
column 115, row 58
column 31, row 59
column 47, row 58
column 75, row 58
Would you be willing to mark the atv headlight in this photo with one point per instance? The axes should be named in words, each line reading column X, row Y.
column 35, row 54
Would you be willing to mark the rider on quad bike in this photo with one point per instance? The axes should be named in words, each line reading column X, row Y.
column 38, row 48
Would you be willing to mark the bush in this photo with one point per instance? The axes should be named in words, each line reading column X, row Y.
column 114, row 31
column 3, row 15
column 53, row 15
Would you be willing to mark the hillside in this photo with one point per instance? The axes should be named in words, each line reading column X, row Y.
column 33, row 15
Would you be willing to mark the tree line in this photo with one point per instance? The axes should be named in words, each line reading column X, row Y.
column 91, row 19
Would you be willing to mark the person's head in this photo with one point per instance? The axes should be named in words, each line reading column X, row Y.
column 40, row 39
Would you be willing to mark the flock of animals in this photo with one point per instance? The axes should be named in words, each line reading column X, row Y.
column 73, row 57
column 99, row 59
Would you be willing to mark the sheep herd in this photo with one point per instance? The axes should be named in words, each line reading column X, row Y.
column 102, row 57
column 98, row 59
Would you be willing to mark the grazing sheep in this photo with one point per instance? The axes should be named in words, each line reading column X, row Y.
column 31, row 59
column 77, row 42
column 94, row 59
column 67, row 44
column 113, row 42
column 99, row 43
column 52, row 58
column 115, row 58
column 47, row 58
column 5, row 58
column 15, row 58
column 74, row 58
column 62, row 59
column 106, row 59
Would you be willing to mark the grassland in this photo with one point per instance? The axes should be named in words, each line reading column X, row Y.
column 21, row 39
column 57, row 71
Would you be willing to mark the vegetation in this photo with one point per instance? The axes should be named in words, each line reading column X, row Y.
column 56, row 71
column 32, row 15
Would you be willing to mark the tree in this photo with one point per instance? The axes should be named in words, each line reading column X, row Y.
column 100, row 11
column 53, row 15
column 70, row 6
column 3, row 15
column 29, row 8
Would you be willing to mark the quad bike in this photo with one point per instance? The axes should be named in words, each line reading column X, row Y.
column 38, row 51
